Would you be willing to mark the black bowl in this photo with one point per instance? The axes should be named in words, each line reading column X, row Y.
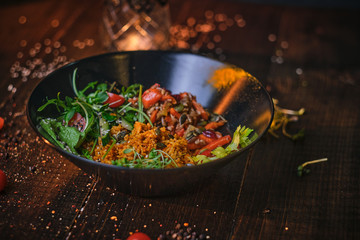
column 246, row 103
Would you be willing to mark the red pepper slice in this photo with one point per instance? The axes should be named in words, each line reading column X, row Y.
column 168, row 97
column 214, row 125
column 194, row 146
column 153, row 115
column 206, row 139
column 217, row 143
column 150, row 97
column 175, row 113
column 180, row 132
column 199, row 108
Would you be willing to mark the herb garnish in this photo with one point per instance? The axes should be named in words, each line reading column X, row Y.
column 155, row 159
column 282, row 117
column 301, row 170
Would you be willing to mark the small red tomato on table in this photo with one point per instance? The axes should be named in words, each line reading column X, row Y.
column 2, row 181
column 138, row 236
column 2, row 121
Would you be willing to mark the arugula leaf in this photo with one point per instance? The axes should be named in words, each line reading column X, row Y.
column 68, row 115
column 70, row 135
column 46, row 128
column 56, row 101
column 99, row 118
column 131, row 91
column 60, row 134
column 108, row 116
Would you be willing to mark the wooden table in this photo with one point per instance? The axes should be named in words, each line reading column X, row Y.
column 306, row 57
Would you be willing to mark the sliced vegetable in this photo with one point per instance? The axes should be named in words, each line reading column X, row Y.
column 217, row 143
column 206, row 139
column 150, row 97
column 174, row 113
column 153, row 115
column 168, row 97
column 198, row 107
column 214, row 125
column 114, row 100
column 240, row 139
column 180, row 132
column 78, row 122
column 194, row 146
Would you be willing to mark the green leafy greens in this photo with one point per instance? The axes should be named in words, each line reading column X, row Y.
column 241, row 138
column 98, row 116
column 88, row 118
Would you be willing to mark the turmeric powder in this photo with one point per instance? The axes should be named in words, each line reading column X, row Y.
column 225, row 77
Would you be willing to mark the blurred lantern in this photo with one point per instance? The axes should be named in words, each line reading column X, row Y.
column 136, row 25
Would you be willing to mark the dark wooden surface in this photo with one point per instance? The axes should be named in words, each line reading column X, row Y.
column 306, row 57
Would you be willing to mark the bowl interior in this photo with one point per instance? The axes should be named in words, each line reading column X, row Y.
column 246, row 103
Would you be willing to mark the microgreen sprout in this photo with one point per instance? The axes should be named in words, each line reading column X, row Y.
column 111, row 146
column 155, row 159
column 141, row 109
column 301, row 170
column 74, row 82
column 282, row 117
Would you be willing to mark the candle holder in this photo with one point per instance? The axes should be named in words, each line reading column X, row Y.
column 129, row 25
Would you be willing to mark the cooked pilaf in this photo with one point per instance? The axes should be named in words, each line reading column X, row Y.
column 142, row 140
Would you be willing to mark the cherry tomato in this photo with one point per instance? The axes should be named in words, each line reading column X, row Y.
column 2, row 180
column 114, row 100
column 78, row 121
column 1, row 123
column 139, row 236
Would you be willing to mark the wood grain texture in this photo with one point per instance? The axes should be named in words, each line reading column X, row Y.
column 306, row 57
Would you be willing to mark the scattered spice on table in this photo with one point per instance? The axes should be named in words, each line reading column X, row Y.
column 183, row 233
